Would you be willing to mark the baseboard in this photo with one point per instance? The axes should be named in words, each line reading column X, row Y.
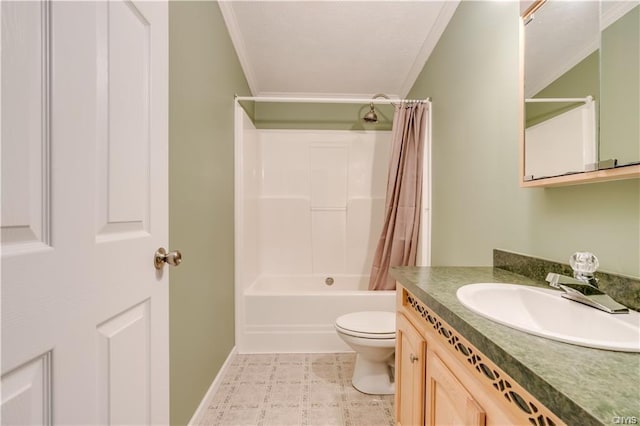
column 213, row 388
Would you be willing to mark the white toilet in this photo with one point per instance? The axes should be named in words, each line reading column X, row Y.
column 372, row 334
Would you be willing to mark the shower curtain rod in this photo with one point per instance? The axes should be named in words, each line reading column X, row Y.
column 326, row 100
column 534, row 100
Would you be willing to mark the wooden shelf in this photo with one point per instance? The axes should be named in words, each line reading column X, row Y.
column 625, row 172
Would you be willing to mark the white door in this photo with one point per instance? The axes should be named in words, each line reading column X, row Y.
column 84, row 207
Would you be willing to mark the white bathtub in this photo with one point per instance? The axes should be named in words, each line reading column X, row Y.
column 297, row 313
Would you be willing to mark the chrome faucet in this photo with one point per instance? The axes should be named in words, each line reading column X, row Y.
column 583, row 287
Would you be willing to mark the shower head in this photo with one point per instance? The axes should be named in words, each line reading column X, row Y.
column 371, row 116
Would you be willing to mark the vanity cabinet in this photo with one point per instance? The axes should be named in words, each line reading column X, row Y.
column 410, row 373
column 442, row 379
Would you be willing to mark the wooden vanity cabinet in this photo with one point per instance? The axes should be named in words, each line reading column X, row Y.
column 441, row 379
column 427, row 392
column 410, row 373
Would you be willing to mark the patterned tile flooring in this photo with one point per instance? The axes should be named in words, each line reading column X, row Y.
column 294, row 389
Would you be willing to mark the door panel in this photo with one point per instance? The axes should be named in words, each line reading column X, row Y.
column 123, row 39
column 26, row 393
column 25, row 126
column 123, row 359
column 80, row 294
column 132, row 212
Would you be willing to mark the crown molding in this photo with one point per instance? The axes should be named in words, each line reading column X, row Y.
column 229, row 16
column 324, row 95
column 444, row 16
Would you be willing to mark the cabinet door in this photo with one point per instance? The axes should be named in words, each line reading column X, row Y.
column 410, row 374
column 449, row 402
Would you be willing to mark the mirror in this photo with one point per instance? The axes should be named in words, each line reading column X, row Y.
column 582, row 87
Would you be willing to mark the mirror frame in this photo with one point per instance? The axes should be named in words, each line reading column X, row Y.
column 623, row 172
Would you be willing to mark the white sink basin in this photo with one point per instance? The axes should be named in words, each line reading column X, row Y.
column 545, row 313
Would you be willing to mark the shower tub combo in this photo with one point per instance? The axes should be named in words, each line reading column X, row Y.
column 309, row 210
column 297, row 313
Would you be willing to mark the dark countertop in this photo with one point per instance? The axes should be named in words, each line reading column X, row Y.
column 580, row 385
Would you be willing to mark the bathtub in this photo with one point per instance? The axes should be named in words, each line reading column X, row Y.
column 297, row 313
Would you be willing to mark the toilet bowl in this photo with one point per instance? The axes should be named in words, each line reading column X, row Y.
column 372, row 335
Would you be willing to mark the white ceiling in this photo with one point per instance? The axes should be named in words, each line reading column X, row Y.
column 334, row 48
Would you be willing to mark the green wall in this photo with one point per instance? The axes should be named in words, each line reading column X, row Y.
column 204, row 74
column 472, row 77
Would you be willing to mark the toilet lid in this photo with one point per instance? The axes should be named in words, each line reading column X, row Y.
column 379, row 323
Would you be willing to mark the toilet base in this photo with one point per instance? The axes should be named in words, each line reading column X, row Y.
column 374, row 378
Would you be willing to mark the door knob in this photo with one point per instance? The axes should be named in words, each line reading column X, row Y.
column 161, row 257
column 412, row 358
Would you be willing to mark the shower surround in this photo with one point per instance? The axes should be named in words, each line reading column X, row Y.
column 309, row 210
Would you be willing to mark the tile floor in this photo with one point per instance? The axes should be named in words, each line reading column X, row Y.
column 294, row 389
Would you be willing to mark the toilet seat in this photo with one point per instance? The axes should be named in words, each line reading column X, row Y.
column 368, row 324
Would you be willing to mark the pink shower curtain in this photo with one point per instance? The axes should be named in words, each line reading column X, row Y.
column 398, row 244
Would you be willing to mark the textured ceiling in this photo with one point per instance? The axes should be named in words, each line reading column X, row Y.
column 334, row 48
